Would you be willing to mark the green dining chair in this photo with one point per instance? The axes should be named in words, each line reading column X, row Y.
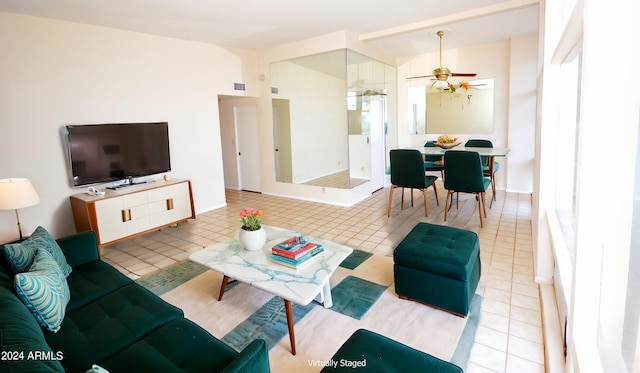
column 407, row 171
column 433, row 162
column 463, row 173
column 488, row 168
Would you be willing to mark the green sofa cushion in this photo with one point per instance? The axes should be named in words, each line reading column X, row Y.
column 178, row 346
column 21, row 255
column 44, row 290
column 366, row 351
column 6, row 273
column 20, row 332
column 439, row 249
column 99, row 330
column 93, row 280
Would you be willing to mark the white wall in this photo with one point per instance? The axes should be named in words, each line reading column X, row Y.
column 55, row 73
column 522, row 113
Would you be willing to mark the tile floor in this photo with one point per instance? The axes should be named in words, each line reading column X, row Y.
column 509, row 338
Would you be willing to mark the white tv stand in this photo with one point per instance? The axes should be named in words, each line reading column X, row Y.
column 124, row 213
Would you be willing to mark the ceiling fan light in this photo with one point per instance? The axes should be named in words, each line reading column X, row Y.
column 440, row 84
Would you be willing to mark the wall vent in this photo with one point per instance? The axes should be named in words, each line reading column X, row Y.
column 240, row 87
column 274, row 90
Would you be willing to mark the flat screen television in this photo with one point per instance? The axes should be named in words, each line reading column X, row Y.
column 101, row 153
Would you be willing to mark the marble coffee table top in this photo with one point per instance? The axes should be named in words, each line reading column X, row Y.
column 256, row 269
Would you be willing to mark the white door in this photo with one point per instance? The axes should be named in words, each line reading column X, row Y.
column 377, row 117
column 246, row 121
column 276, row 143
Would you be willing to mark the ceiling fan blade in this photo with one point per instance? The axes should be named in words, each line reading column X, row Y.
column 463, row 74
column 419, row 77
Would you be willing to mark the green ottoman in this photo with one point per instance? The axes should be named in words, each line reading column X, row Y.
column 439, row 266
column 366, row 351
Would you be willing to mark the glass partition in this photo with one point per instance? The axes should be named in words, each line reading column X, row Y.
column 330, row 119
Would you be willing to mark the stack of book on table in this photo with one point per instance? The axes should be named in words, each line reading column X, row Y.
column 295, row 252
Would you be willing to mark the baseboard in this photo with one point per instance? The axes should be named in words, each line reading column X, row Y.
column 554, row 359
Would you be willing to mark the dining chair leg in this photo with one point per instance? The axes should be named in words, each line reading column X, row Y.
column 480, row 209
column 426, row 202
column 435, row 190
column 402, row 200
column 484, row 203
column 411, row 196
column 393, row 187
column 493, row 189
column 447, row 203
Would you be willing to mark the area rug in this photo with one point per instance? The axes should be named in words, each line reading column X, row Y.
column 268, row 323
column 354, row 296
column 467, row 339
column 247, row 313
column 354, row 259
column 164, row 280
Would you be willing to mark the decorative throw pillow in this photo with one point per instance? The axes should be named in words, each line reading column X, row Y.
column 44, row 290
column 20, row 255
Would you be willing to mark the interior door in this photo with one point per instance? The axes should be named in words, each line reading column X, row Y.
column 246, row 122
column 377, row 116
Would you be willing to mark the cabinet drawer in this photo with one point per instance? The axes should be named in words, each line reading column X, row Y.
column 135, row 199
column 111, row 224
column 159, row 194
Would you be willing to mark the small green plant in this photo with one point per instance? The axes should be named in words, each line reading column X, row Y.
column 250, row 219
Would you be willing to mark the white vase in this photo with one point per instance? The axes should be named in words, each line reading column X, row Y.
column 252, row 240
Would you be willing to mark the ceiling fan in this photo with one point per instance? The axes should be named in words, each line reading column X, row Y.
column 442, row 74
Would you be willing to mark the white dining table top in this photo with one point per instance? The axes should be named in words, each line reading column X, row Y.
column 488, row 152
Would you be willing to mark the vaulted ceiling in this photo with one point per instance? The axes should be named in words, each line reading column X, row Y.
column 401, row 28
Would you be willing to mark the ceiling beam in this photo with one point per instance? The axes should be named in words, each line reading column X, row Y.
column 451, row 18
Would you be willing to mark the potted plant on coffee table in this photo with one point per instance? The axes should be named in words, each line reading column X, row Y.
column 251, row 235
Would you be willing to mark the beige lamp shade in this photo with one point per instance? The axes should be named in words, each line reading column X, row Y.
column 17, row 193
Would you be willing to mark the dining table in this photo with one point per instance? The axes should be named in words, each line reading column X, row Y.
column 490, row 153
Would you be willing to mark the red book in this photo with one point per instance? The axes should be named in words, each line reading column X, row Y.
column 293, row 251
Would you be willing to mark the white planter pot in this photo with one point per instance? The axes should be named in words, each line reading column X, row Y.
column 252, row 240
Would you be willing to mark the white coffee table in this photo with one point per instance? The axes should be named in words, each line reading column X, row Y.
column 256, row 269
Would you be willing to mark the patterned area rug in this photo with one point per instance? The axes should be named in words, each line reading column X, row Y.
column 362, row 294
column 355, row 259
column 162, row 281
column 463, row 350
column 268, row 323
column 352, row 297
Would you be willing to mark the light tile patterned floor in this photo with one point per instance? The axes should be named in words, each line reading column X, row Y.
column 509, row 338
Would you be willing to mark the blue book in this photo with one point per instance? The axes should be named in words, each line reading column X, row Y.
column 298, row 263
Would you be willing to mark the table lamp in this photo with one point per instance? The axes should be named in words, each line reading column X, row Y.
column 16, row 194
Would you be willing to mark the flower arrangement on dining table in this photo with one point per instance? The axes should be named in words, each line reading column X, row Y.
column 447, row 142
column 250, row 219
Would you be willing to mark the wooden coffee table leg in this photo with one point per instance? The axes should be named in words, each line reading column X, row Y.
column 292, row 337
column 225, row 281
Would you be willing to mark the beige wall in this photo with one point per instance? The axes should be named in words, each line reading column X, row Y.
column 512, row 64
column 55, row 73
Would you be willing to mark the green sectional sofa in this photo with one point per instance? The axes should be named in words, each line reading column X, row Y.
column 112, row 322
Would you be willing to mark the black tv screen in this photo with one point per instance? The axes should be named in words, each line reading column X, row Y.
column 101, row 153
